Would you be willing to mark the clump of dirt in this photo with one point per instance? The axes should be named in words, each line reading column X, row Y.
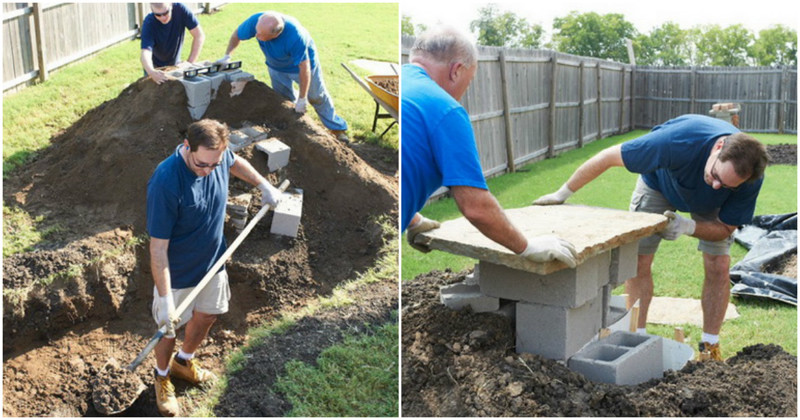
column 115, row 388
column 89, row 287
column 782, row 154
column 784, row 266
column 458, row 363
column 389, row 85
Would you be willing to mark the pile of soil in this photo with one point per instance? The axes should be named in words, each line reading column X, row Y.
column 782, row 154
column 85, row 296
column 114, row 388
column 458, row 363
column 389, row 85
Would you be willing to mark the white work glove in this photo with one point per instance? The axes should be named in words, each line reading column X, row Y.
column 300, row 105
column 224, row 60
column 550, row 247
column 158, row 76
column 558, row 197
column 269, row 194
column 678, row 225
column 423, row 225
column 166, row 314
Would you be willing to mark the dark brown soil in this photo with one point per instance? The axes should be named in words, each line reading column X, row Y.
column 114, row 388
column 782, row 154
column 458, row 363
column 85, row 295
column 389, row 85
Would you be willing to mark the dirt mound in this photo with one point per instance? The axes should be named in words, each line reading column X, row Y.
column 94, row 272
column 458, row 363
column 782, row 154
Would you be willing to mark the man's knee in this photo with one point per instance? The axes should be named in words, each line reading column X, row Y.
column 202, row 318
column 717, row 267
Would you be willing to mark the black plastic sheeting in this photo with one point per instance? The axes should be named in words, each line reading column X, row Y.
column 771, row 239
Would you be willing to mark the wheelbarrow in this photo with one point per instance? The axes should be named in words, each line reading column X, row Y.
column 386, row 99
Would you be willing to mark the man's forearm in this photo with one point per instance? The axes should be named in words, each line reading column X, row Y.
column 147, row 61
column 198, row 38
column 159, row 265
column 713, row 231
column 232, row 43
column 305, row 78
column 594, row 167
column 484, row 212
column 243, row 170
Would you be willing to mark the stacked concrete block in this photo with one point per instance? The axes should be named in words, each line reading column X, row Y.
column 238, row 80
column 198, row 94
column 277, row 153
column 256, row 134
column 622, row 358
column 286, row 220
column 460, row 295
column 237, row 210
column 216, row 80
column 238, row 140
column 568, row 287
column 624, row 262
column 556, row 332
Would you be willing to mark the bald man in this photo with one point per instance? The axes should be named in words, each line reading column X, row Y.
column 291, row 57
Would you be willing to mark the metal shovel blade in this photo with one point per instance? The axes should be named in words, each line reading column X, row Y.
column 114, row 388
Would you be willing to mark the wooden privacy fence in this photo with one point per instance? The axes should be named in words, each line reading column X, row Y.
column 532, row 104
column 39, row 38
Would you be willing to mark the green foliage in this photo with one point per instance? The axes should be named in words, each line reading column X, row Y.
column 358, row 378
column 21, row 231
column 718, row 46
column 666, row 45
column 409, row 28
column 505, row 29
column 593, row 35
column 776, row 46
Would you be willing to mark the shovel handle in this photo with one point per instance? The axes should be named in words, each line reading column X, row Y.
column 148, row 348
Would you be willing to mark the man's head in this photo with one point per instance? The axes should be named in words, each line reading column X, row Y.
column 206, row 141
column 162, row 12
column 734, row 160
column 448, row 56
column 270, row 25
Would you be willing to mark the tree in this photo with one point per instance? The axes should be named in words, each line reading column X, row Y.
column 408, row 28
column 717, row 46
column 775, row 46
column 593, row 35
column 505, row 29
column 666, row 45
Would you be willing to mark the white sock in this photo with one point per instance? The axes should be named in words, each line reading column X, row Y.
column 641, row 331
column 185, row 356
column 710, row 338
column 164, row 372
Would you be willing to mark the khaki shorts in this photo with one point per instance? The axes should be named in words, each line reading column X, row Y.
column 212, row 300
column 648, row 200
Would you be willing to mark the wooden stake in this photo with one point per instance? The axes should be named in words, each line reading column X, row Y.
column 679, row 336
column 604, row 332
column 634, row 319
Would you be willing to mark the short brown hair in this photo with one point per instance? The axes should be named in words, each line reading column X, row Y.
column 748, row 155
column 208, row 133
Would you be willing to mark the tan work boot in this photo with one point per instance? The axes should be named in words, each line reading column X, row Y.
column 190, row 371
column 709, row 352
column 165, row 397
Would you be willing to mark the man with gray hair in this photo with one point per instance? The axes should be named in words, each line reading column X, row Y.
column 438, row 148
column 291, row 56
column 162, row 38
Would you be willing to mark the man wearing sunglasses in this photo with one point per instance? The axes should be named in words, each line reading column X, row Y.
column 291, row 57
column 162, row 37
column 186, row 200
column 695, row 164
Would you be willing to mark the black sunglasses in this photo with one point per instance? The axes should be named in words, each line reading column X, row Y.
column 162, row 14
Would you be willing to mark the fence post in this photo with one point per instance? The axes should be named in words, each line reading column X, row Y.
column 140, row 8
column 580, row 105
column 507, row 113
column 551, row 136
column 599, row 103
column 782, row 93
column 633, row 98
column 693, row 92
column 40, row 53
column 621, row 99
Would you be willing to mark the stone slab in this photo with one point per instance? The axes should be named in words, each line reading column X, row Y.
column 679, row 311
column 286, row 220
column 592, row 230
column 622, row 358
column 460, row 295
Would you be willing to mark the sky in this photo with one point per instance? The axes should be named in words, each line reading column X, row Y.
column 755, row 15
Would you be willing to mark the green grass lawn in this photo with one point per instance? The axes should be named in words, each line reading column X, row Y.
column 678, row 268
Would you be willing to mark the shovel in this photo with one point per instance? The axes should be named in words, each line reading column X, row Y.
column 114, row 389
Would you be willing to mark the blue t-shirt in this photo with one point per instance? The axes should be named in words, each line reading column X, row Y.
column 672, row 159
column 166, row 40
column 437, row 142
column 189, row 210
column 285, row 52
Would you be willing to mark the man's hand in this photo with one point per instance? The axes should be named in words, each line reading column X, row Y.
column 300, row 105
column 558, row 197
column 158, row 76
column 269, row 194
column 678, row 225
column 550, row 247
column 423, row 225
column 166, row 314
column 224, row 60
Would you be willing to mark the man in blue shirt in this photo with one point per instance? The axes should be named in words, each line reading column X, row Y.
column 438, row 148
column 695, row 164
column 162, row 37
column 186, row 200
column 291, row 56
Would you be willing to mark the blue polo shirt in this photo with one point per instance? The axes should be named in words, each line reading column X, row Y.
column 189, row 210
column 285, row 52
column 166, row 40
column 437, row 142
column 672, row 159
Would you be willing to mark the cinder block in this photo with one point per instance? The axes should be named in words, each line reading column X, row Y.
column 277, row 153
column 286, row 220
column 256, row 134
column 570, row 287
column 556, row 332
column 239, row 223
column 231, row 75
column 216, row 80
column 622, row 358
column 197, row 112
column 237, row 205
column 459, row 295
column 624, row 261
column 198, row 91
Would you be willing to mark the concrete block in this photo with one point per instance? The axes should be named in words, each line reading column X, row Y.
column 256, row 134
column 460, row 295
column 507, row 309
column 231, row 75
column 286, row 220
column 277, row 153
column 568, row 287
column 622, row 358
column 237, row 205
column 198, row 91
column 556, row 332
column 216, row 80
column 624, row 262
column 197, row 112
column 239, row 223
